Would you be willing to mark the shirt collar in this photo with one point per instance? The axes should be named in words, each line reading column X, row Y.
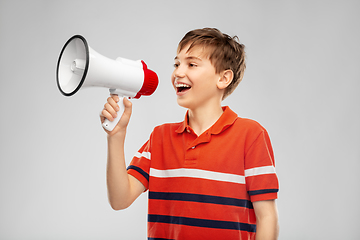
column 226, row 119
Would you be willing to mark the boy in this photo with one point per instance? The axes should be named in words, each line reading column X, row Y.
column 211, row 176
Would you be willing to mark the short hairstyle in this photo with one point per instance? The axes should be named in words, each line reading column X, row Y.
column 223, row 51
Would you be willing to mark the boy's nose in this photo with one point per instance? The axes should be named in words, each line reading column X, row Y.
column 179, row 72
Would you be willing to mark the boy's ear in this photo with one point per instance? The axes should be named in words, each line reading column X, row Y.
column 225, row 79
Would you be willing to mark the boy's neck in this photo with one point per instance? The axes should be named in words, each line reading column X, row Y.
column 201, row 119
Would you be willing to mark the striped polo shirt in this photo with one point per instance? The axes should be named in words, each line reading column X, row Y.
column 202, row 187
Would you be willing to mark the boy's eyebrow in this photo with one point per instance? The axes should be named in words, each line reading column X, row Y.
column 189, row 58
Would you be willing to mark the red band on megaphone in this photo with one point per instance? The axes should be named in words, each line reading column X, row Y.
column 150, row 84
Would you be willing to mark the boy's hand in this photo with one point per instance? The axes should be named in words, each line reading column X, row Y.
column 110, row 112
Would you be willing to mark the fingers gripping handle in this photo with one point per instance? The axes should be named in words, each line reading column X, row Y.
column 110, row 125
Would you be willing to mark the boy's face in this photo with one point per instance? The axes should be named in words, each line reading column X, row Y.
column 195, row 79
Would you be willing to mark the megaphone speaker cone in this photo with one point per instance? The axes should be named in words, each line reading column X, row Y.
column 73, row 65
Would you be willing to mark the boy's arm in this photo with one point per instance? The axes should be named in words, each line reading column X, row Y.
column 123, row 188
column 267, row 226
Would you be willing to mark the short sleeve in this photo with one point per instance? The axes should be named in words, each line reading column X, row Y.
column 140, row 164
column 260, row 175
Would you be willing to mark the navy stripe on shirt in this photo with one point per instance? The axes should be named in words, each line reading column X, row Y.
column 205, row 223
column 190, row 197
column 139, row 170
column 263, row 191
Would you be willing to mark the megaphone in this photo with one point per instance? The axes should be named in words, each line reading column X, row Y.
column 79, row 66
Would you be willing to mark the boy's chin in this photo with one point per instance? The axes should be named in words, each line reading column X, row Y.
column 183, row 103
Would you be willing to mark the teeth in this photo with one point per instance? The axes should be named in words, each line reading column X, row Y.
column 181, row 85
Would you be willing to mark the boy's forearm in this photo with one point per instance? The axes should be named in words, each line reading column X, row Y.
column 117, row 178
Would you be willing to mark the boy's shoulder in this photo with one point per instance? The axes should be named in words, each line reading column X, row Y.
column 241, row 122
column 168, row 127
column 248, row 127
column 248, row 123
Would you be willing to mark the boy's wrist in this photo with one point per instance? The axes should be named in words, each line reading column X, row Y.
column 118, row 134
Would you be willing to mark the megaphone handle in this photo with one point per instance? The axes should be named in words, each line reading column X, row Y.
column 110, row 125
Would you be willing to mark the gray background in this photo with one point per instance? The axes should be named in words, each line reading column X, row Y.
column 302, row 84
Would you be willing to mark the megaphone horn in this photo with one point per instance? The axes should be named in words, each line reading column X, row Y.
column 79, row 66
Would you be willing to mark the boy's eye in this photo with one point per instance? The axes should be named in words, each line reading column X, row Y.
column 176, row 65
column 192, row 65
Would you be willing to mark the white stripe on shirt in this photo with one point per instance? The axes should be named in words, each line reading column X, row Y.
column 259, row 171
column 143, row 154
column 197, row 173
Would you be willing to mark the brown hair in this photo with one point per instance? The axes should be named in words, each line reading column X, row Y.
column 223, row 51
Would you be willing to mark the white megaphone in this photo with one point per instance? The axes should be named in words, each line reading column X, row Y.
column 80, row 66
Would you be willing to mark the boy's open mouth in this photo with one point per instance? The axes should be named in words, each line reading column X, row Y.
column 182, row 87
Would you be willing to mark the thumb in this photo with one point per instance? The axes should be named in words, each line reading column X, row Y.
column 128, row 106
column 125, row 118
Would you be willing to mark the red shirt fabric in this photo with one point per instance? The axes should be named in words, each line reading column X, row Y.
column 202, row 187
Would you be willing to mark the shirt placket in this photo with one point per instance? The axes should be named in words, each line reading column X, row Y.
column 193, row 150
